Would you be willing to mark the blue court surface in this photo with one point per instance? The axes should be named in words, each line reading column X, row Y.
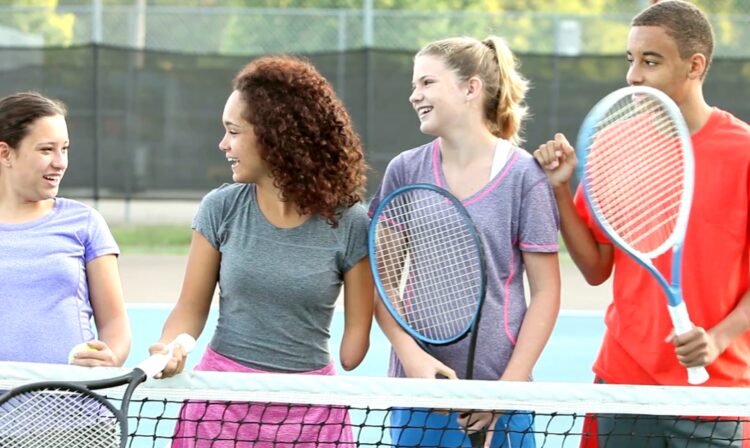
column 567, row 358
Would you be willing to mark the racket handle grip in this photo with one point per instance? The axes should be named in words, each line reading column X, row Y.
column 477, row 439
column 682, row 324
column 156, row 362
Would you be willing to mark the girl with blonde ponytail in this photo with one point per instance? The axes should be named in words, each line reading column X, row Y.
column 470, row 95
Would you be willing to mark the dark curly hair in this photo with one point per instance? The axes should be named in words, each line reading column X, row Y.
column 304, row 134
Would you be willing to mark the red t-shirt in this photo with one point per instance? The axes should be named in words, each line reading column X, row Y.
column 716, row 271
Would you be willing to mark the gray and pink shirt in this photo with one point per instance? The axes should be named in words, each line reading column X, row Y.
column 515, row 212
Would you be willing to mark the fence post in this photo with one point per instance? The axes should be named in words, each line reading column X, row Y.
column 96, row 39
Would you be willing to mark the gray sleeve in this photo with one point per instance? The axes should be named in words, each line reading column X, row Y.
column 391, row 181
column 356, row 237
column 539, row 220
column 208, row 219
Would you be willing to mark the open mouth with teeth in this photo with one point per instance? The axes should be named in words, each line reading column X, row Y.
column 424, row 110
column 232, row 161
column 51, row 178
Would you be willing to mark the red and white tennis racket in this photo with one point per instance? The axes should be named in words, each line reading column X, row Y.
column 637, row 173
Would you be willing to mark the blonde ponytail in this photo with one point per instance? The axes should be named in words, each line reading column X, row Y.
column 508, row 110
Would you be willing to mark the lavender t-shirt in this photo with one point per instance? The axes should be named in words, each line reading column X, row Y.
column 514, row 212
column 45, row 309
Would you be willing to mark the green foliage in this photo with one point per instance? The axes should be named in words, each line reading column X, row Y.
column 56, row 29
column 158, row 239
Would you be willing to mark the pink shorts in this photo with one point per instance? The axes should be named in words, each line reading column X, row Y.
column 219, row 424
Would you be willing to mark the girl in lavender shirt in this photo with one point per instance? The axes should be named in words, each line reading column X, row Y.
column 58, row 258
column 469, row 95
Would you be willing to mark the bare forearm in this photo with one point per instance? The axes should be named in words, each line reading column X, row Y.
column 733, row 325
column 116, row 334
column 401, row 341
column 585, row 251
column 535, row 332
column 184, row 319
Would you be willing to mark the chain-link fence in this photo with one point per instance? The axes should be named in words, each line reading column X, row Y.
column 242, row 31
column 145, row 98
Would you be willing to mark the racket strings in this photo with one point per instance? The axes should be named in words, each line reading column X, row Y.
column 636, row 172
column 424, row 280
column 429, row 261
column 55, row 418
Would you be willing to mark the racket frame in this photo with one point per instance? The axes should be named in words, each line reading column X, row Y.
column 383, row 290
column 673, row 289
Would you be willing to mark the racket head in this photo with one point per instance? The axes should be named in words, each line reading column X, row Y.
column 59, row 414
column 427, row 261
column 637, row 170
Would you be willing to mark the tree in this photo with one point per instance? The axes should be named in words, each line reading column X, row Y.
column 56, row 29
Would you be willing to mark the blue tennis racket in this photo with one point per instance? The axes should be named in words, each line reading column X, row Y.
column 429, row 267
column 637, row 173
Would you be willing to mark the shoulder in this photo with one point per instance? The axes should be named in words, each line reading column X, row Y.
column 527, row 168
column 354, row 217
column 726, row 129
column 71, row 209
column 414, row 156
column 227, row 195
column 71, row 206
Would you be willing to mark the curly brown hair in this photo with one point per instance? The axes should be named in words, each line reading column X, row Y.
column 305, row 135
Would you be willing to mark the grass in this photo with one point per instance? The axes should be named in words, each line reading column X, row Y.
column 153, row 239
column 175, row 239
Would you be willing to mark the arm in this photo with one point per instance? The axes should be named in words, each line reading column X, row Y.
column 543, row 273
column 110, row 315
column 701, row 347
column 595, row 260
column 358, row 288
column 191, row 311
column 416, row 362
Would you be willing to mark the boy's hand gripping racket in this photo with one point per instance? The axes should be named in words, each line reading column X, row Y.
column 68, row 414
column 637, row 174
column 429, row 267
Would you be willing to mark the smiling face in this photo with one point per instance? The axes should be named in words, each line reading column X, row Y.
column 34, row 168
column 240, row 144
column 438, row 95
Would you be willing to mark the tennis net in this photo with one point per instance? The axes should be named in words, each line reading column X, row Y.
column 218, row 409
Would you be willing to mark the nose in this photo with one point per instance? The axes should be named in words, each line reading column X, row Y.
column 633, row 76
column 415, row 96
column 224, row 143
column 60, row 160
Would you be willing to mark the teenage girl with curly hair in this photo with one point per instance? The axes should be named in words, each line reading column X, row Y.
column 280, row 242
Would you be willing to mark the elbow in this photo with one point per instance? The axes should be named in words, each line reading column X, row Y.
column 595, row 278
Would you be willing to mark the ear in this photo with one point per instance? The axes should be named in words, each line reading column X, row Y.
column 5, row 153
column 698, row 65
column 474, row 88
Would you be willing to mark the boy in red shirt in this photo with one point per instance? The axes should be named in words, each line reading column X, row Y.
column 669, row 48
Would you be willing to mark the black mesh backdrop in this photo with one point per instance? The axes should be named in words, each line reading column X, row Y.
column 146, row 124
